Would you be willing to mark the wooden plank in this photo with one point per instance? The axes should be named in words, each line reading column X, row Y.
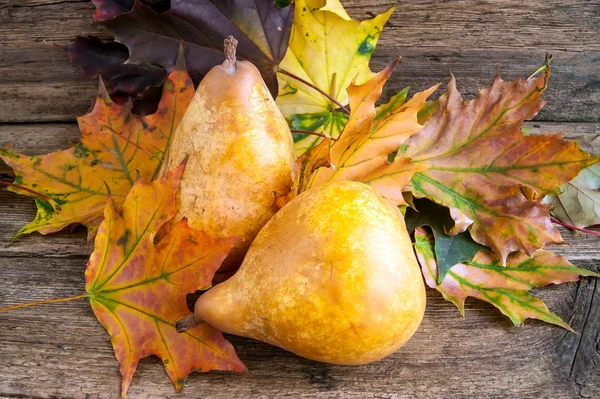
column 35, row 139
column 61, row 350
column 470, row 39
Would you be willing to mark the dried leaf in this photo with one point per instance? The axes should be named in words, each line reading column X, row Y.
column 578, row 203
column 261, row 28
column 114, row 146
column 362, row 150
column 449, row 249
column 478, row 159
column 505, row 287
column 329, row 50
column 138, row 289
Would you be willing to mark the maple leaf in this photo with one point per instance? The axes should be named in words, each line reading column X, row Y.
column 449, row 249
column 114, row 145
column 261, row 28
column 505, row 287
column 327, row 49
column 362, row 150
column 478, row 159
column 138, row 289
column 578, row 203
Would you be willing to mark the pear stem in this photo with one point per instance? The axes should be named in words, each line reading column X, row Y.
column 186, row 323
column 229, row 50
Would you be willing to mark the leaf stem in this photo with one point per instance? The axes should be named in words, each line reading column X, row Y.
column 35, row 193
column 25, row 305
column 330, row 98
column 326, row 136
column 568, row 226
column 542, row 67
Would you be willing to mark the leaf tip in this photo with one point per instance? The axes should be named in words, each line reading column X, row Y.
column 14, row 238
column 451, row 86
column 108, row 192
column 102, row 92
column 180, row 60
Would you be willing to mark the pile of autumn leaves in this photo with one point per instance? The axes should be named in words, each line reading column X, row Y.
column 467, row 178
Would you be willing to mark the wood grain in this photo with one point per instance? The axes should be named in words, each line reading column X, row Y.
column 471, row 39
column 61, row 351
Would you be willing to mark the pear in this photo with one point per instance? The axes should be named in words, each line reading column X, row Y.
column 240, row 154
column 331, row 277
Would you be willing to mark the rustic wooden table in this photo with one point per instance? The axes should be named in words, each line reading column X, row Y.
column 62, row 351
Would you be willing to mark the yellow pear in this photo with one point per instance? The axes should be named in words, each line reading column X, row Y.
column 331, row 277
column 240, row 154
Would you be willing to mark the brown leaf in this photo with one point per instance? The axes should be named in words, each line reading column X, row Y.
column 478, row 159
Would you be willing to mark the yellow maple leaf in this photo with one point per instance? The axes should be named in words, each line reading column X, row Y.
column 328, row 49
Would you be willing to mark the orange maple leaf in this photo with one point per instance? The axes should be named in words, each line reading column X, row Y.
column 138, row 289
column 478, row 160
column 114, row 145
column 362, row 150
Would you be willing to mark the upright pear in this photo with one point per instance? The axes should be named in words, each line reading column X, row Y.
column 331, row 277
column 240, row 154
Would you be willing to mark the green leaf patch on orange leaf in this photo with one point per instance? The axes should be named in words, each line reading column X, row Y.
column 138, row 288
column 478, row 160
column 361, row 152
column 114, row 145
column 449, row 249
column 505, row 287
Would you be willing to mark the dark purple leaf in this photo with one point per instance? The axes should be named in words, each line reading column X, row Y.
column 107, row 59
column 261, row 28
column 106, row 9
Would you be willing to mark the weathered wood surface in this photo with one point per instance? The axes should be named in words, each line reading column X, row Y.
column 469, row 38
column 62, row 351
